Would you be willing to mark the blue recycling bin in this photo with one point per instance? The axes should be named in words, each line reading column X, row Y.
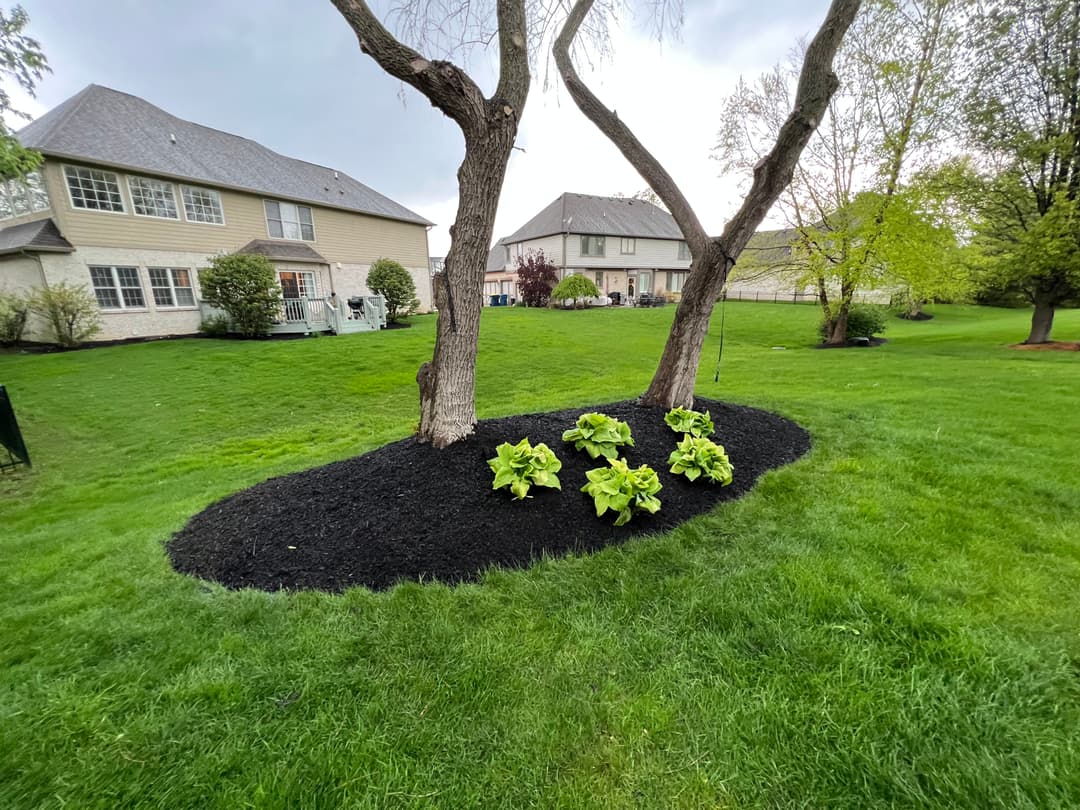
column 494, row 300
column 503, row 299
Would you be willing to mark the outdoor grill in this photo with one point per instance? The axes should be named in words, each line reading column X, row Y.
column 356, row 304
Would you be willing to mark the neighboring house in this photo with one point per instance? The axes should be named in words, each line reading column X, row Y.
column 631, row 247
column 132, row 202
column 626, row 246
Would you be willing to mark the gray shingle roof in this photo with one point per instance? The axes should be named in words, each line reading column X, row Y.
column 496, row 260
column 39, row 235
column 612, row 216
column 100, row 125
column 283, row 251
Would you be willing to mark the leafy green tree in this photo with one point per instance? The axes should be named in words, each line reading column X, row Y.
column 22, row 60
column 897, row 93
column 576, row 288
column 1023, row 118
column 72, row 312
column 395, row 284
column 245, row 286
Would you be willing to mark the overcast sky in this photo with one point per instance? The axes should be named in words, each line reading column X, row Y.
column 290, row 75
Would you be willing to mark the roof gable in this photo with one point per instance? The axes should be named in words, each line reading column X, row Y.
column 41, row 235
column 100, row 125
column 610, row 216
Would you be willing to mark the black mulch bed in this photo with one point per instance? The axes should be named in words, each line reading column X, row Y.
column 409, row 512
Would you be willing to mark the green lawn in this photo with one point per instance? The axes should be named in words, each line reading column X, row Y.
column 892, row 621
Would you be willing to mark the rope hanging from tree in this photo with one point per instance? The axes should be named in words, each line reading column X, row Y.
column 720, row 354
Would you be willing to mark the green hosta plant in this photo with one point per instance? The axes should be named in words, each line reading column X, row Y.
column 623, row 490
column 698, row 457
column 599, row 435
column 521, row 465
column 695, row 423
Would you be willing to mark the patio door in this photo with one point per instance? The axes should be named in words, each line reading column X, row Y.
column 645, row 282
column 297, row 287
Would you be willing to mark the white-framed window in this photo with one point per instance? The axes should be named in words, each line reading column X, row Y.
column 152, row 198
column 592, row 246
column 202, row 205
column 628, row 246
column 23, row 195
column 297, row 284
column 675, row 280
column 684, row 250
column 117, row 287
column 286, row 220
column 171, row 286
column 94, row 189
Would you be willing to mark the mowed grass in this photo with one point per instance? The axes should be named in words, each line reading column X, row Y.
column 893, row 621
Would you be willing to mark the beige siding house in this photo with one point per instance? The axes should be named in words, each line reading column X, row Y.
column 628, row 247
column 132, row 202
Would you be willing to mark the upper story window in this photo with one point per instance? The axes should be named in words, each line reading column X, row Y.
column 202, row 205
column 592, row 246
column 288, row 221
column 23, row 195
column 117, row 287
column 94, row 189
column 152, row 198
column 171, row 286
column 684, row 250
column 628, row 246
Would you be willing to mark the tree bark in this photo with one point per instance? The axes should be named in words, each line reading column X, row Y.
column 712, row 259
column 1042, row 320
column 448, row 382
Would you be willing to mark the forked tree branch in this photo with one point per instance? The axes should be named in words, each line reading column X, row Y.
column 817, row 83
column 448, row 87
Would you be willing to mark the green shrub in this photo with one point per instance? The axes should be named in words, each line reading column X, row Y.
column 394, row 283
column 72, row 312
column 623, row 490
column 682, row 420
column 574, row 287
column 599, row 435
column 245, row 286
column 521, row 465
column 696, row 457
column 215, row 326
column 864, row 320
column 14, row 312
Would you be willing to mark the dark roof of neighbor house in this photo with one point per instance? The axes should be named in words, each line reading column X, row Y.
column 101, row 125
column 585, row 213
column 283, row 251
column 496, row 260
column 37, row 236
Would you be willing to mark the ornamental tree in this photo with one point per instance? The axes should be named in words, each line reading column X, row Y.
column 576, row 288
column 536, row 277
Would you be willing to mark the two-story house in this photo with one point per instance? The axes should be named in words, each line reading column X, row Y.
column 626, row 246
column 132, row 201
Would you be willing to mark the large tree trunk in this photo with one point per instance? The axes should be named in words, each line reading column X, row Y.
column 1042, row 320
column 673, row 382
column 712, row 259
column 448, row 382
